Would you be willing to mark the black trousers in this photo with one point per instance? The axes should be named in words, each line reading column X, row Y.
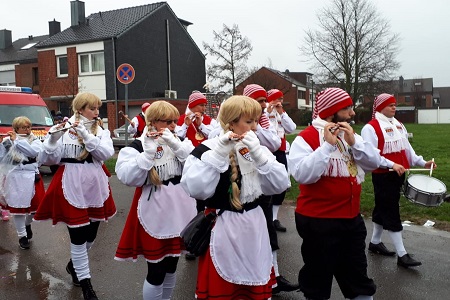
column 266, row 204
column 333, row 247
column 387, row 187
column 281, row 158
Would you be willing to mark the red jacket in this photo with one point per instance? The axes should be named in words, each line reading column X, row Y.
column 397, row 157
column 191, row 131
column 329, row 197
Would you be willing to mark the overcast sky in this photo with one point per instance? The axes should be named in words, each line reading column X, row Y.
column 275, row 28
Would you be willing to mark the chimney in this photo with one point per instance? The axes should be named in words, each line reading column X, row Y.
column 30, row 37
column 5, row 38
column 54, row 27
column 400, row 82
column 77, row 12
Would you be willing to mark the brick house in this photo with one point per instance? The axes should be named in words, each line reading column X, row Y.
column 84, row 58
column 19, row 58
column 296, row 86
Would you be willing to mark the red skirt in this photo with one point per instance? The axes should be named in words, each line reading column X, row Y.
column 135, row 241
column 55, row 207
column 211, row 286
column 39, row 193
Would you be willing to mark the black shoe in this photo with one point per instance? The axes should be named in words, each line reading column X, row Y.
column 88, row 291
column 283, row 285
column 70, row 269
column 190, row 256
column 29, row 232
column 380, row 249
column 407, row 261
column 24, row 243
column 278, row 226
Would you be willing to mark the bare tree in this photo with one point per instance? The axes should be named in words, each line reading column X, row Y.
column 231, row 51
column 353, row 47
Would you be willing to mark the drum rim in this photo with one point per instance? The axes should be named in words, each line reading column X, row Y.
column 427, row 176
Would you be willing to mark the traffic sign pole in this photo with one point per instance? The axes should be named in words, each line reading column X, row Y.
column 126, row 112
column 125, row 74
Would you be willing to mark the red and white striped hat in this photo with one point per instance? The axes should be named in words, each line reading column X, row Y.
column 330, row 101
column 381, row 101
column 254, row 91
column 274, row 94
column 145, row 106
column 196, row 98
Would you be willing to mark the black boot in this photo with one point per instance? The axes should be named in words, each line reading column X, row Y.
column 283, row 285
column 29, row 232
column 71, row 271
column 88, row 291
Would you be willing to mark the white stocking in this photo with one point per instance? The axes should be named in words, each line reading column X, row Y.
column 80, row 261
column 168, row 285
column 152, row 292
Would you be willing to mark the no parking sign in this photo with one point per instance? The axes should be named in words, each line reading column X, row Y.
column 125, row 73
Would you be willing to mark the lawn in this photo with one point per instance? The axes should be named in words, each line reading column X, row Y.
column 430, row 141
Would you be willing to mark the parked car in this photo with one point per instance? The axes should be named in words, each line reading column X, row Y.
column 119, row 137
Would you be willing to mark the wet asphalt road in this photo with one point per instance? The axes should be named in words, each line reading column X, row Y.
column 39, row 273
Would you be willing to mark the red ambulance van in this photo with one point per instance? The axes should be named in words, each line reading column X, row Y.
column 20, row 101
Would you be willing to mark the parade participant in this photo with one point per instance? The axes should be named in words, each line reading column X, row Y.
column 79, row 194
column 230, row 172
column 22, row 185
column 328, row 160
column 195, row 125
column 137, row 124
column 161, row 208
column 387, row 134
column 283, row 124
column 268, row 137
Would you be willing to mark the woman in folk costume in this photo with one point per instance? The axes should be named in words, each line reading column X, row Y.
column 328, row 160
column 79, row 194
column 194, row 124
column 283, row 124
column 387, row 134
column 268, row 137
column 230, row 173
column 161, row 208
column 20, row 181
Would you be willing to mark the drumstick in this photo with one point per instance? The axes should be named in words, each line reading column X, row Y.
column 128, row 119
column 412, row 170
column 431, row 168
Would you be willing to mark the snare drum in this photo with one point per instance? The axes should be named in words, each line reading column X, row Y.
column 425, row 190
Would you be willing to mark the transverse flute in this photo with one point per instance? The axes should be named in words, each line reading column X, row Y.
column 73, row 125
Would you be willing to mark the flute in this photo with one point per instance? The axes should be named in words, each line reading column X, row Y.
column 19, row 134
column 73, row 125
column 333, row 129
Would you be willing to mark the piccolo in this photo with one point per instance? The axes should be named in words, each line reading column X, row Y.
column 73, row 125
column 333, row 129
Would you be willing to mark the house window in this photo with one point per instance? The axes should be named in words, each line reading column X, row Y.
column 62, row 66
column 408, row 99
column 90, row 63
column 301, row 95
